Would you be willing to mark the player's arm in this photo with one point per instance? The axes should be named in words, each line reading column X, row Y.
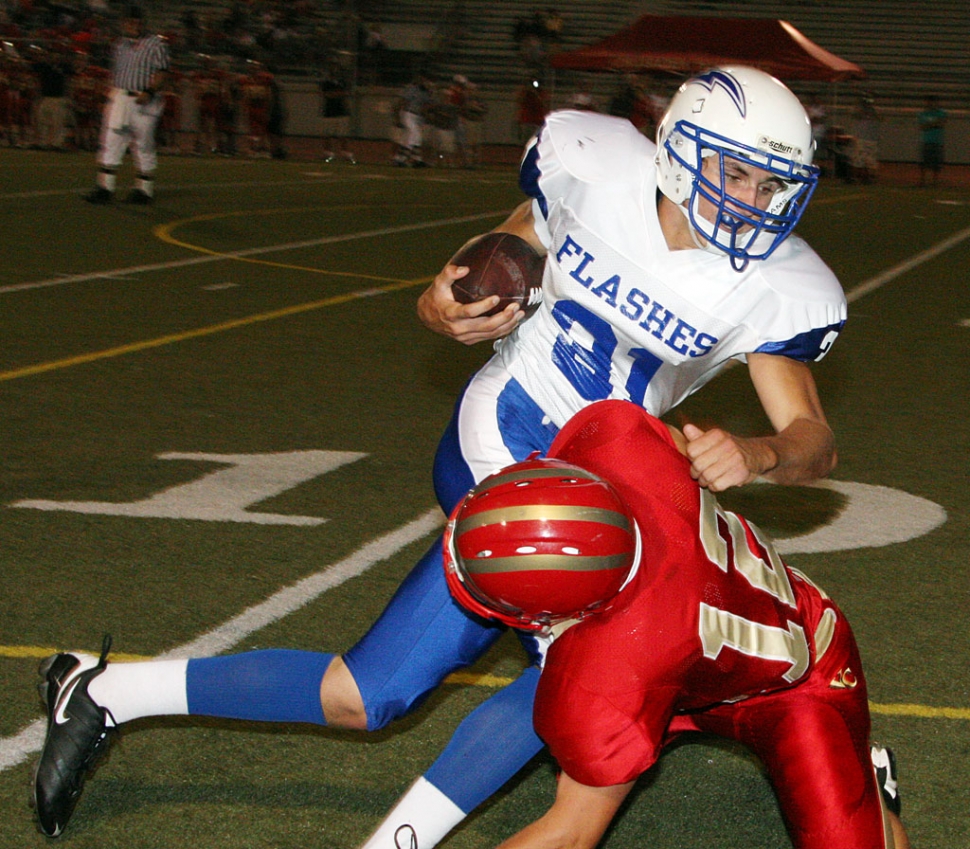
column 801, row 450
column 155, row 85
column 577, row 819
column 440, row 312
column 522, row 224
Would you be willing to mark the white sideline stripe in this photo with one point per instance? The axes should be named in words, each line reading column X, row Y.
column 292, row 598
column 16, row 749
column 291, row 246
column 890, row 274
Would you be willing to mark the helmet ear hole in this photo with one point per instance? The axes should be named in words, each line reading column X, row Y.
column 531, row 546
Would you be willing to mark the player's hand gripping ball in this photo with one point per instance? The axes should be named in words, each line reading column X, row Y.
column 500, row 264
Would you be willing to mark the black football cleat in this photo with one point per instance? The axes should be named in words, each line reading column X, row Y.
column 99, row 196
column 884, row 762
column 139, row 198
column 77, row 736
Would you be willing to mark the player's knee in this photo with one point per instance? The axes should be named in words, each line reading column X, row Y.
column 340, row 698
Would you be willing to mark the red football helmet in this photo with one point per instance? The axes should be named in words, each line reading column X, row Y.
column 540, row 542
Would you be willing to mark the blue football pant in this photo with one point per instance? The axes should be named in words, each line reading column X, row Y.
column 423, row 635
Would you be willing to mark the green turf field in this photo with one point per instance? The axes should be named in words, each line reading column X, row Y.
column 264, row 308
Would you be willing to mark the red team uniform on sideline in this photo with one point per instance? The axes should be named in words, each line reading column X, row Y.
column 713, row 634
column 257, row 90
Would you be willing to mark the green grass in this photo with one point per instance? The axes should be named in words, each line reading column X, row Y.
column 112, row 364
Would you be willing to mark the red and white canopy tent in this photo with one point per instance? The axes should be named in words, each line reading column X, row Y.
column 683, row 45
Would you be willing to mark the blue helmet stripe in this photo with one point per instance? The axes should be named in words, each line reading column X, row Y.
column 529, row 173
column 719, row 79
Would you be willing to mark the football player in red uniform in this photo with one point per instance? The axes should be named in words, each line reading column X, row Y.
column 257, row 93
column 209, row 84
column 710, row 632
column 89, row 88
column 170, row 126
column 22, row 89
column 5, row 99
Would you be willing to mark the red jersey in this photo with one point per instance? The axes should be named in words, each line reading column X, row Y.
column 713, row 633
column 257, row 89
column 89, row 88
column 531, row 106
column 210, row 86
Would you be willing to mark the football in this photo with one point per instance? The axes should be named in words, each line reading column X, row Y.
column 500, row 264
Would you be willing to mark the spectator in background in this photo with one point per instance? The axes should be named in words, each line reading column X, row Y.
column 373, row 48
column 819, row 118
column 335, row 112
column 21, row 94
column 192, row 33
column 528, row 34
column 170, row 125
column 456, row 96
column 276, row 126
column 531, row 106
column 256, row 90
column 88, row 92
column 537, row 36
column 53, row 72
column 412, row 107
column 228, row 116
column 209, row 84
column 471, row 119
column 630, row 102
column 865, row 151
column 552, row 27
column 657, row 103
column 931, row 122
column 441, row 116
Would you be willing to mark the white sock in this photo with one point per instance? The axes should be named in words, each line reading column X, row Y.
column 420, row 819
column 133, row 690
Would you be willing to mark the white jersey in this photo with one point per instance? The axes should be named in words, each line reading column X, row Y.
column 622, row 315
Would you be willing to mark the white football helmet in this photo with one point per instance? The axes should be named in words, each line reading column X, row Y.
column 746, row 115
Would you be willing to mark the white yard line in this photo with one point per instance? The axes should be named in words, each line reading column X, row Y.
column 116, row 273
column 891, row 274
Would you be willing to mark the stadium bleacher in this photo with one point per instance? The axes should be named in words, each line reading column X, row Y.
column 907, row 50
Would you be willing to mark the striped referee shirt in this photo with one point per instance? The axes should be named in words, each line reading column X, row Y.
column 136, row 60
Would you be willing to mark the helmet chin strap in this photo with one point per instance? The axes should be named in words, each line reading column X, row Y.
column 700, row 241
column 706, row 244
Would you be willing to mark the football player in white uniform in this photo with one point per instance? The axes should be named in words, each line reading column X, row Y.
column 663, row 263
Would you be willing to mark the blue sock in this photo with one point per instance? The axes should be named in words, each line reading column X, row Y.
column 275, row 685
column 490, row 746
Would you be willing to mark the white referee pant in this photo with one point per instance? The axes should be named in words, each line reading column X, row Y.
column 126, row 125
column 413, row 129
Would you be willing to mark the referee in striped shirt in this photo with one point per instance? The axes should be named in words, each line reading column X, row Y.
column 135, row 104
